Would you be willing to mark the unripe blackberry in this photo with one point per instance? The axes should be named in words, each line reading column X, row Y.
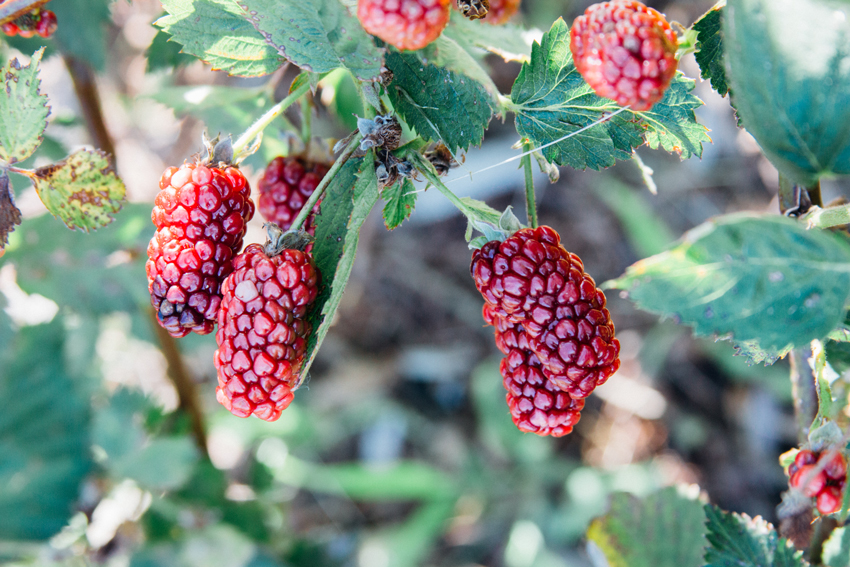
column 201, row 215
column 262, row 330
column 625, row 51
column 530, row 279
column 284, row 188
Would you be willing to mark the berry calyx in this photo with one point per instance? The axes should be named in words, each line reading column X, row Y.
column 262, row 328
column 405, row 24
column 625, row 51
column 200, row 214
column 816, row 477
column 531, row 280
column 285, row 186
column 473, row 9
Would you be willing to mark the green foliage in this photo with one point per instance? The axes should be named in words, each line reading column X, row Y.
column 216, row 32
column 836, row 549
column 550, row 100
column 738, row 540
column 788, row 65
column 82, row 190
column 316, row 35
column 348, row 199
column 792, row 282
column 401, row 199
column 438, row 103
column 82, row 29
column 23, row 110
column 43, row 436
column 508, row 41
column 709, row 54
column 666, row 529
column 165, row 54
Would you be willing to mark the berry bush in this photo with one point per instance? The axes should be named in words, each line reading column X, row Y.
column 300, row 370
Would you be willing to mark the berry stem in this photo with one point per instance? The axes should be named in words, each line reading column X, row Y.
column 28, row 172
column 305, row 211
column 427, row 169
column 530, row 200
column 257, row 127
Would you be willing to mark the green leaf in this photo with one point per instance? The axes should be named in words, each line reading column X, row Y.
column 44, row 420
column 709, row 54
column 400, row 198
column 337, row 232
column 82, row 190
column 89, row 273
column 446, row 53
column 163, row 53
column 216, row 32
column 163, row 464
column 836, row 549
column 788, row 64
column 438, row 103
column 665, row 529
column 510, row 41
column 736, row 540
column 316, row 35
column 82, row 29
column 10, row 215
column 23, row 110
column 551, row 100
column 838, row 355
column 764, row 281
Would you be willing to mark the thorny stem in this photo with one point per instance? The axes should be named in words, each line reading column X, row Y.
column 11, row 9
column 326, row 180
column 530, row 201
column 257, row 127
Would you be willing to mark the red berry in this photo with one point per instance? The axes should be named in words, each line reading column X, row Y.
column 829, row 500
column 47, row 25
column 536, row 404
column 284, row 188
column 625, row 51
column 501, row 11
column 836, row 468
column 814, row 482
column 405, row 24
column 10, row 29
column 262, row 330
column 530, row 279
column 201, row 215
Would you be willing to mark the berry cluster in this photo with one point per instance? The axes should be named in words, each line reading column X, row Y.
column 625, row 51
column 284, row 188
column 201, row 215
column 552, row 324
column 38, row 22
column 825, row 485
column 405, row 24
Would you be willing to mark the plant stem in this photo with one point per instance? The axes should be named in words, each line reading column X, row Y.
column 326, row 180
column 804, row 392
column 530, row 201
column 85, row 86
column 425, row 167
column 306, row 123
column 248, row 136
column 28, row 172
column 11, row 9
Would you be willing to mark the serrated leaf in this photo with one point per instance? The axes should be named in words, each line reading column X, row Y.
column 738, row 540
column 44, row 420
column 438, row 103
column 836, row 549
column 551, row 100
column 163, row 53
column 82, row 29
column 709, row 49
column 665, row 529
column 764, row 281
column 82, row 190
column 216, row 32
column 316, row 35
column 23, row 110
column 10, row 215
column 401, row 199
column 788, row 67
column 347, row 201
column 509, row 41
column 447, row 53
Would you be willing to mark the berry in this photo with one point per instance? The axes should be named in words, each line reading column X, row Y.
column 829, row 500
column 10, row 29
column 200, row 214
column 47, row 25
column 536, row 404
column 625, row 51
column 405, row 24
column 824, row 480
column 814, row 481
column 262, row 330
column 501, row 11
column 531, row 280
column 285, row 186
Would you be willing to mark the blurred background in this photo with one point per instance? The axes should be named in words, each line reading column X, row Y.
column 400, row 450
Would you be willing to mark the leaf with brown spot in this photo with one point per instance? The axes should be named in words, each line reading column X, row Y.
column 82, row 190
column 23, row 110
column 10, row 215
